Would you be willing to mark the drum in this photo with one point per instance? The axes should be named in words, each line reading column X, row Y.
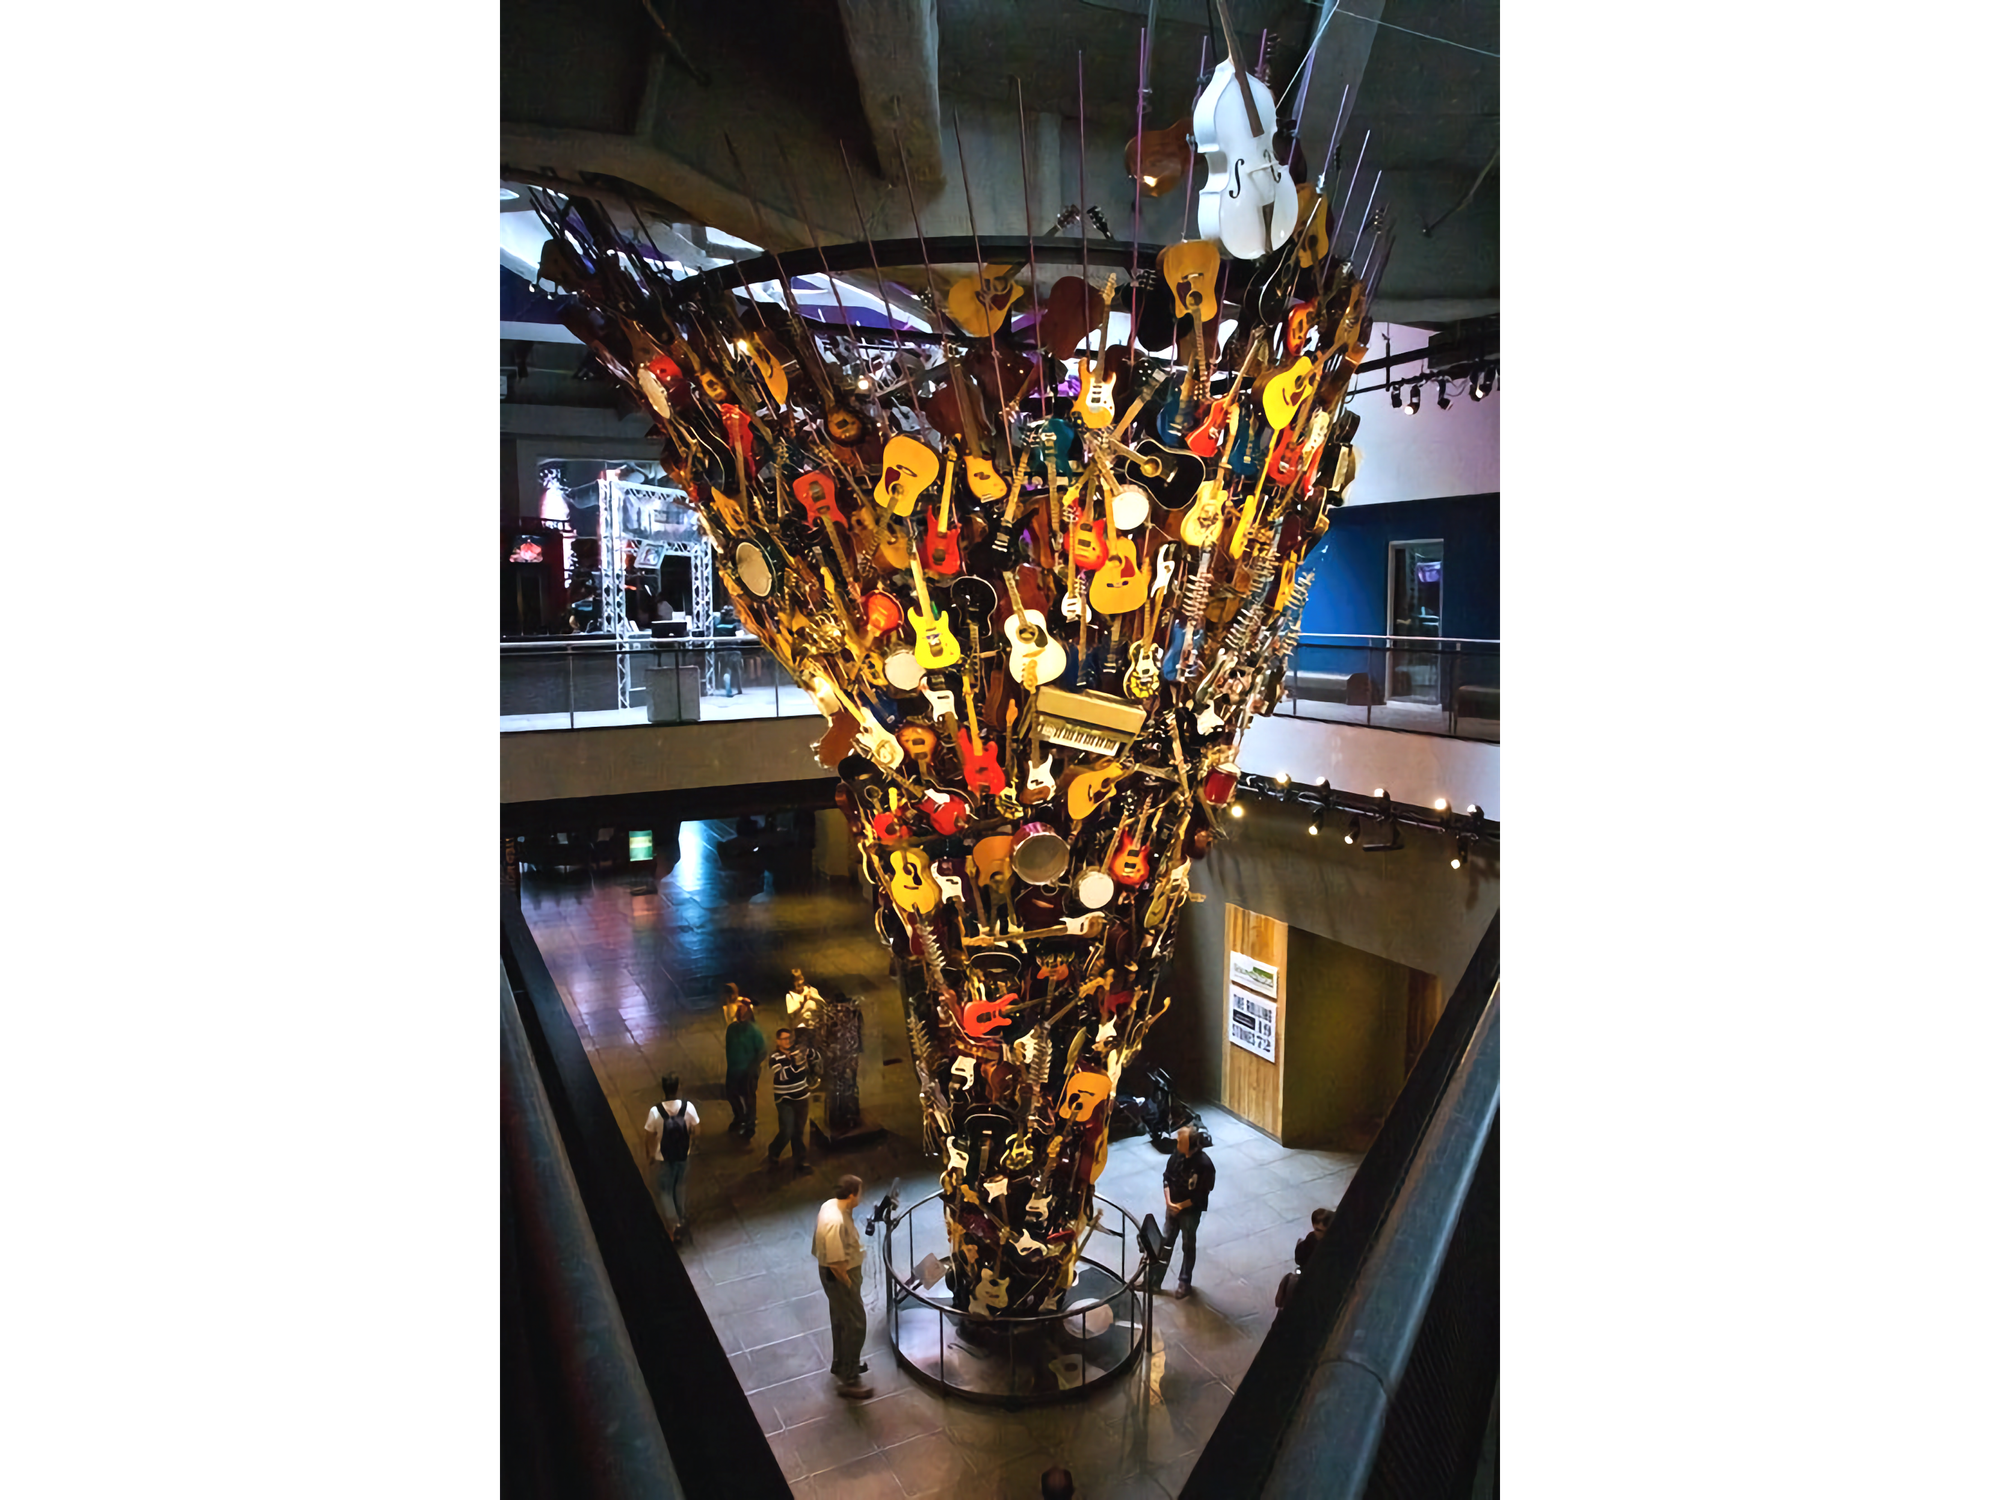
column 1040, row 854
column 903, row 670
column 1220, row 784
column 1095, row 888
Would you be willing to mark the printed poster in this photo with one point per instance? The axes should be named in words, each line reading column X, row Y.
column 1253, row 1023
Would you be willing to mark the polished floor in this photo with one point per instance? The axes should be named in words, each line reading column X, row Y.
column 641, row 961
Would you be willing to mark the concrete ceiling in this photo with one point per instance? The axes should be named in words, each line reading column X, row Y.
column 656, row 93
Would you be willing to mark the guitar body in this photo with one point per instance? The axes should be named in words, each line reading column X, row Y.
column 1287, row 391
column 1096, row 402
column 1142, row 678
column 1203, row 524
column 883, row 612
column 814, row 490
column 936, row 647
column 1131, row 862
column 1031, row 646
column 911, row 886
column 908, row 468
column 1089, row 547
column 1091, row 789
column 982, row 767
column 1121, row 584
column 980, row 304
column 940, row 548
column 918, row 741
column 948, row 811
column 1208, row 436
column 983, row 479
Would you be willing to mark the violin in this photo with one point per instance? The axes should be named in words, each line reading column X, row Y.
column 1248, row 204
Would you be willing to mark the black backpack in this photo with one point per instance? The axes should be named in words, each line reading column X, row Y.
column 673, row 1132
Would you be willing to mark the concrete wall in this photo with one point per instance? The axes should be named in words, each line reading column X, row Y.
column 1409, row 907
column 1415, row 768
column 547, row 764
column 1346, row 1023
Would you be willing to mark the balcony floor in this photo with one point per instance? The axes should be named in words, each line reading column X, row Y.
column 640, row 963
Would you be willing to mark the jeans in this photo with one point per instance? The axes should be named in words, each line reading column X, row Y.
column 672, row 1175
column 741, row 1089
column 792, row 1124
column 850, row 1323
column 1183, row 1226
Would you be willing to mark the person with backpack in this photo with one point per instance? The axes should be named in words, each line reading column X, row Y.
column 670, row 1130
column 794, row 1071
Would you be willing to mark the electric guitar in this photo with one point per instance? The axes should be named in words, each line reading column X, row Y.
column 940, row 536
column 980, row 762
column 936, row 646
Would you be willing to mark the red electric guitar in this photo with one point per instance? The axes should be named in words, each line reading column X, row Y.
column 815, row 492
column 981, row 762
column 940, row 546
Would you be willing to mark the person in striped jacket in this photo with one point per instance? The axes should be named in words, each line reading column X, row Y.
column 793, row 1070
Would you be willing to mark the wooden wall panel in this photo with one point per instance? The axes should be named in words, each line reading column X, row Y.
column 1252, row 1089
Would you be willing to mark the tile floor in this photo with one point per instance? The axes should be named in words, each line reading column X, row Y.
column 640, row 965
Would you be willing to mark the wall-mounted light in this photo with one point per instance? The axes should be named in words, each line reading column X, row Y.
column 1353, row 830
column 1444, row 396
column 1378, row 792
column 1236, row 809
column 1441, row 804
column 1313, row 827
column 1482, row 383
column 1396, row 394
column 1458, row 857
column 1284, row 780
column 1416, row 398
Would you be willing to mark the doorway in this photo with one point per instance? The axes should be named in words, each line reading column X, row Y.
column 1416, row 609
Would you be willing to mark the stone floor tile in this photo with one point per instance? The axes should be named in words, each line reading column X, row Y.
column 835, row 1439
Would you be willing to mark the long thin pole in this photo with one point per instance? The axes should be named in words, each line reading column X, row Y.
column 979, row 271
column 1028, row 228
column 881, row 282
column 1138, row 169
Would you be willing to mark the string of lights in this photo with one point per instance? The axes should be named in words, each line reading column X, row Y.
column 1375, row 822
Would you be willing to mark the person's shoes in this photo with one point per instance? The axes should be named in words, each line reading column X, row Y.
column 863, row 1367
column 1182, row 1291
column 856, row 1392
column 801, row 1170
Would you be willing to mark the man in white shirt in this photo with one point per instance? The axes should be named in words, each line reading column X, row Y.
column 670, row 1130
column 837, row 1248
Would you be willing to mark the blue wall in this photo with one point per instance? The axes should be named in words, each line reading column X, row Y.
column 1351, row 563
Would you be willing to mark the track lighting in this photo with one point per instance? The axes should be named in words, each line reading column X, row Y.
column 1482, row 383
column 1396, row 394
column 1353, row 830
column 1416, row 398
column 1236, row 809
column 1444, row 396
column 1378, row 792
column 1458, row 858
column 1313, row 827
column 1284, row 781
column 1441, row 804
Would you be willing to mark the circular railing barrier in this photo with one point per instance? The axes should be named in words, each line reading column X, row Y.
column 1015, row 1358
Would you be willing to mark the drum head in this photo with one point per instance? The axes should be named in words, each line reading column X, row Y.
column 1095, row 888
column 904, row 671
column 1040, row 855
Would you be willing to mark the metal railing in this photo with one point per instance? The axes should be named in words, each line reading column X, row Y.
column 1429, row 685
column 576, row 682
column 1105, row 1321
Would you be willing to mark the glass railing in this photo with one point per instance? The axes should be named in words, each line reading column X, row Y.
column 1421, row 684
column 1428, row 685
column 592, row 682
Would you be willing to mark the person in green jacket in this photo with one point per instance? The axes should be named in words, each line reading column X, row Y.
column 743, row 1055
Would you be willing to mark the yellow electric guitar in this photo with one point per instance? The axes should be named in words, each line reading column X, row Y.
column 1096, row 403
column 936, row 647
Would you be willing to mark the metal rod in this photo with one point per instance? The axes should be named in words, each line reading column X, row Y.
column 1333, row 240
column 1028, row 228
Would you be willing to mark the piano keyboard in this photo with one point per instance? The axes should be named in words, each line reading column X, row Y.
column 1100, row 723
column 1076, row 737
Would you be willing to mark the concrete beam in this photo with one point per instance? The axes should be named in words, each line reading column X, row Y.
column 893, row 45
column 555, row 763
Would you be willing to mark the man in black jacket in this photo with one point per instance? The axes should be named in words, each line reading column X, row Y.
column 792, row 1072
column 1186, row 1184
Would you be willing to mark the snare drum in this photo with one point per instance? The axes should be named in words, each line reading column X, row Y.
column 1040, row 854
column 1095, row 888
column 1220, row 784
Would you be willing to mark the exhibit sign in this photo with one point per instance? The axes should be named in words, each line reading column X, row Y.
column 1253, row 1023
column 1253, row 974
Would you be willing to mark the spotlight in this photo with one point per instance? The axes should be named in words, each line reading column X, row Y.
column 862, row 384
column 1482, row 383
column 1378, row 792
column 1313, row 826
column 1416, row 398
column 1396, row 395
column 1458, row 858
column 1472, row 810
column 1353, row 830
column 1284, row 780
column 1442, row 804
column 1236, row 809
column 1444, row 396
